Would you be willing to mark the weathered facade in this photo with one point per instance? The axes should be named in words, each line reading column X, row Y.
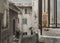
column 26, row 17
column 13, row 19
column 4, row 27
column 8, row 21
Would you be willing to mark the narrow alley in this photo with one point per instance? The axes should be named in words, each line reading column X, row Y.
column 29, row 21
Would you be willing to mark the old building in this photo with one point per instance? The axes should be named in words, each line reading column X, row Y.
column 26, row 17
column 4, row 27
column 8, row 21
column 53, row 25
column 13, row 20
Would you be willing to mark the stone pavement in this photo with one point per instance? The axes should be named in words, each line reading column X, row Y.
column 15, row 40
column 30, row 39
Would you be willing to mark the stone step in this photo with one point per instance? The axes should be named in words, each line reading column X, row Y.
column 52, row 32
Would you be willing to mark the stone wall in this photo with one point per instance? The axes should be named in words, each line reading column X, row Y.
column 31, row 39
column 3, row 5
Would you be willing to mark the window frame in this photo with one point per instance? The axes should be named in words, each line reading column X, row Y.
column 55, row 15
column 25, row 21
column 26, row 11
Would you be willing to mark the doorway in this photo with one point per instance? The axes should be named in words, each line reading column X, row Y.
column 13, row 26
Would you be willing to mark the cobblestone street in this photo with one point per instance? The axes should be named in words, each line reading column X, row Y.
column 31, row 39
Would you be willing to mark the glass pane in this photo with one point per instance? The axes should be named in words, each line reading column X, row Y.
column 52, row 15
column 58, row 13
column 26, row 11
column 45, row 14
column 24, row 21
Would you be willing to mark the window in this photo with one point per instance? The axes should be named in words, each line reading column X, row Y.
column 52, row 18
column 28, row 10
column 20, row 12
column 58, row 13
column 24, row 21
column 18, row 20
column 45, row 5
column 33, row 3
column 25, row 11
column 5, row 19
column 53, row 13
column 25, row 33
column 35, row 15
column 13, row 26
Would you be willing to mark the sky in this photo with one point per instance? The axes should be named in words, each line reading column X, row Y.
column 58, row 3
column 22, row 0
